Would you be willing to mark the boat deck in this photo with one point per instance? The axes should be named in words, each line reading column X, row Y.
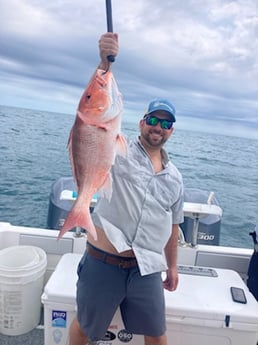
column 35, row 337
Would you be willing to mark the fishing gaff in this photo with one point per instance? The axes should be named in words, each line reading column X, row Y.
column 110, row 58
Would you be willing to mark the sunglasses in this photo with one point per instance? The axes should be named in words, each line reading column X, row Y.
column 152, row 120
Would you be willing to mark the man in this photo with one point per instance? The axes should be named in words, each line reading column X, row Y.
column 137, row 234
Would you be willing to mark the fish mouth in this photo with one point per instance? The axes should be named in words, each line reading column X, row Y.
column 101, row 100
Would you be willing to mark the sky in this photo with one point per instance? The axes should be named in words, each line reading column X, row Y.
column 202, row 55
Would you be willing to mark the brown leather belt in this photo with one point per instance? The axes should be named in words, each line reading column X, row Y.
column 120, row 261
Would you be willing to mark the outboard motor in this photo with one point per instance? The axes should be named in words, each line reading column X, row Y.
column 58, row 209
column 209, row 226
column 252, row 280
column 59, row 205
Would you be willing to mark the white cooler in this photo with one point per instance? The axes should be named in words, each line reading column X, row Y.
column 200, row 311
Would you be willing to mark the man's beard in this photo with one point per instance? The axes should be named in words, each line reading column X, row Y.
column 154, row 139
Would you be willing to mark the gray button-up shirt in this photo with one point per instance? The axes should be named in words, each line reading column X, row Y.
column 143, row 207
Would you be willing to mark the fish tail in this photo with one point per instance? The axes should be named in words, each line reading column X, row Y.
column 78, row 217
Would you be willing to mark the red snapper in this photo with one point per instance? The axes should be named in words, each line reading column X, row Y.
column 93, row 143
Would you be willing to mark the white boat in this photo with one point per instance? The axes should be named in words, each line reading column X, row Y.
column 201, row 311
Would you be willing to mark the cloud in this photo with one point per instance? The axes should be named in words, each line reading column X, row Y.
column 199, row 54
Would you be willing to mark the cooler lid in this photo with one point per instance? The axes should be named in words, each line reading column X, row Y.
column 61, row 286
column 205, row 299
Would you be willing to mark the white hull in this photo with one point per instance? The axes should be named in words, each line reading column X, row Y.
column 218, row 257
column 236, row 259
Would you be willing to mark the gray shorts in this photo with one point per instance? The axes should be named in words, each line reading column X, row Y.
column 102, row 288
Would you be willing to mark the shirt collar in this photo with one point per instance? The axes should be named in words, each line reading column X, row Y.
column 164, row 155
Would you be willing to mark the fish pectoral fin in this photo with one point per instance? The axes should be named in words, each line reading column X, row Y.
column 70, row 147
column 121, row 145
column 106, row 188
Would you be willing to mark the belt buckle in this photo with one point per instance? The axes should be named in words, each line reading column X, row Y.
column 125, row 264
column 121, row 264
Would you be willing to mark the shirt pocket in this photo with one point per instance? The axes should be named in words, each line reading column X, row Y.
column 134, row 169
column 165, row 191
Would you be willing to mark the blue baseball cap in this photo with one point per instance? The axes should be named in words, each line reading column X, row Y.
column 162, row 104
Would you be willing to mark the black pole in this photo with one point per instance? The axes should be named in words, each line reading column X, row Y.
column 110, row 58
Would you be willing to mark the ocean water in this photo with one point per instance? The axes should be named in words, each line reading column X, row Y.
column 33, row 155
